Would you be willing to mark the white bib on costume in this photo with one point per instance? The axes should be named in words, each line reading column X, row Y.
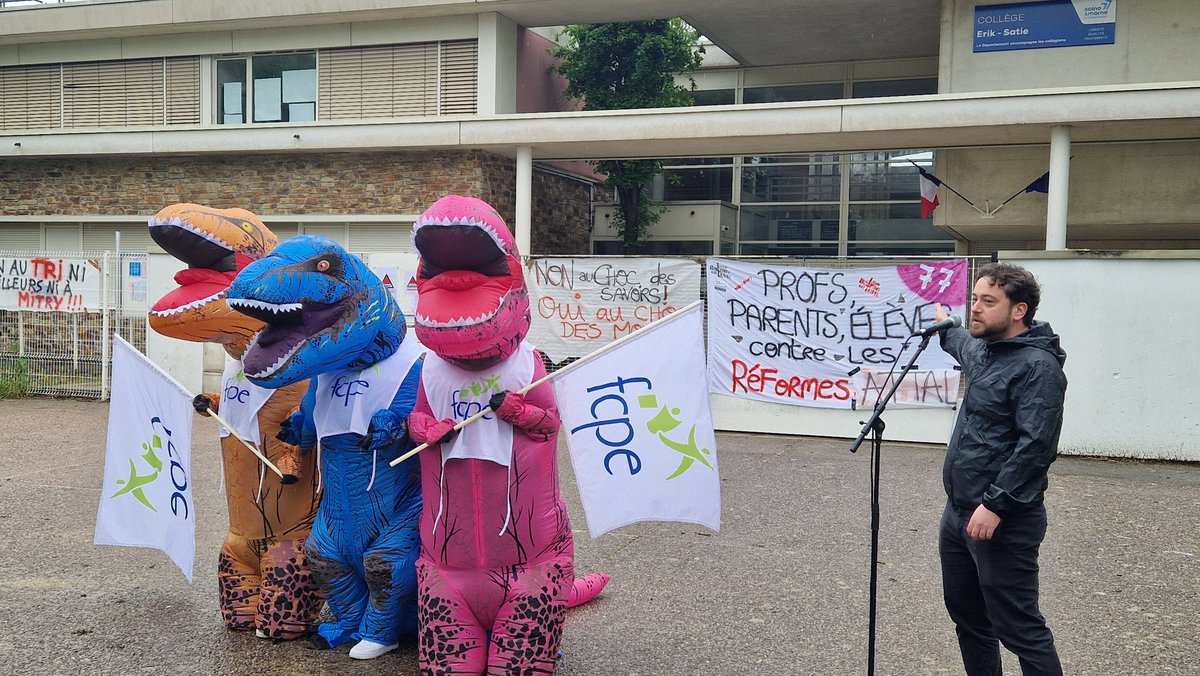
column 347, row 399
column 457, row 393
column 240, row 402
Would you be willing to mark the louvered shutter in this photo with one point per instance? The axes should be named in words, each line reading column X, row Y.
column 102, row 236
column 415, row 82
column 397, row 80
column 183, row 90
column 339, row 84
column 113, row 94
column 20, row 237
column 460, row 77
column 381, row 237
column 30, row 97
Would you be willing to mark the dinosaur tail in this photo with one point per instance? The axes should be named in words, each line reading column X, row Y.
column 587, row 588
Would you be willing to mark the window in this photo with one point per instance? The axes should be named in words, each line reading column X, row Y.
column 712, row 97
column 282, row 88
column 909, row 87
column 231, row 91
column 804, row 92
column 703, row 247
column 802, row 178
column 709, row 178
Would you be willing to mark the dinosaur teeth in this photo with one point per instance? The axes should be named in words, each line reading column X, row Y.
column 277, row 308
column 460, row 220
column 278, row 362
column 187, row 306
column 183, row 225
column 453, row 322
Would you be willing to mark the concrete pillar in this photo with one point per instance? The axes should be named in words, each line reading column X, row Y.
column 523, row 228
column 496, row 92
column 1056, row 202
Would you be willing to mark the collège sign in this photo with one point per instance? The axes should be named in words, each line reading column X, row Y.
column 1038, row 25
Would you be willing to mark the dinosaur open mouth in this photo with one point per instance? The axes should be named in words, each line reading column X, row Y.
column 289, row 326
column 212, row 265
column 197, row 248
column 464, row 275
column 197, row 287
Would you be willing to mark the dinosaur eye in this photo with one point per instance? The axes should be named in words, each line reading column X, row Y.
column 247, row 227
column 322, row 265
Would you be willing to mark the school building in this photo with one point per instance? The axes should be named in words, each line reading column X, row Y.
column 348, row 117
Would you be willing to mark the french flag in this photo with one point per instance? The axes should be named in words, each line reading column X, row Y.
column 929, row 187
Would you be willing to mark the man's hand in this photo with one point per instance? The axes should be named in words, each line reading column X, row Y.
column 939, row 312
column 983, row 524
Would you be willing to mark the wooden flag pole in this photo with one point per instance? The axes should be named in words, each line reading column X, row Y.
column 245, row 443
column 550, row 376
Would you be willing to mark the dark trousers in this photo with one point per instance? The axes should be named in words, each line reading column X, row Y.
column 991, row 592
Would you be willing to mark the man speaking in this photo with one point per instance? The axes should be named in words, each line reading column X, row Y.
column 995, row 472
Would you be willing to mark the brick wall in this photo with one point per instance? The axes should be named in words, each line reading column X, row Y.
column 283, row 184
column 561, row 206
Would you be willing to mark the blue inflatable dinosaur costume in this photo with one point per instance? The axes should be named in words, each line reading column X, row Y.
column 329, row 318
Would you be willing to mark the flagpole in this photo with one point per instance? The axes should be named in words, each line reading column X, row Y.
column 566, row 369
column 1010, row 199
column 245, row 443
column 948, row 187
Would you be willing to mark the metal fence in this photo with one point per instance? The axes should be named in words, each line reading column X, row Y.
column 69, row 354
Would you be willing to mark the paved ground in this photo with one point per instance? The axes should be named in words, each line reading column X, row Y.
column 781, row 590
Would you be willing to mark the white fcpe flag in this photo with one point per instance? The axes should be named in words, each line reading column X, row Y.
column 639, row 428
column 146, row 500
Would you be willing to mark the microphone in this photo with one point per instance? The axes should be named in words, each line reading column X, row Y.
column 947, row 323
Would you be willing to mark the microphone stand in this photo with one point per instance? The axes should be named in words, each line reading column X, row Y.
column 874, row 425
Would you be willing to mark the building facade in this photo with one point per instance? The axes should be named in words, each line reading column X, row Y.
column 347, row 117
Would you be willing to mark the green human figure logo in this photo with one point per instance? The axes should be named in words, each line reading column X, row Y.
column 137, row 482
column 486, row 385
column 665, row 421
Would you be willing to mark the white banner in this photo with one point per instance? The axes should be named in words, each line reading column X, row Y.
column 829, row 337
column 582, row 304
column 49, row 284
column 640, row 431
column 146, row 499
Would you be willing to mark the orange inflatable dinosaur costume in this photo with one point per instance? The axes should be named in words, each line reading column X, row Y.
column 265, row 583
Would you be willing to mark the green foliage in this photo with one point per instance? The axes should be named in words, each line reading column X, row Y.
column 14, row 378
column 621, row 66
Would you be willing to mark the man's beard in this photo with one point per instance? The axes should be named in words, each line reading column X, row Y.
column 990, row 333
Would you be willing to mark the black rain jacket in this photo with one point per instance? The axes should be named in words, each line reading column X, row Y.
column 1010, row 418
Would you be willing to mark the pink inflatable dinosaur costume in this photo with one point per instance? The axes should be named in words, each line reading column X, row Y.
column 496, row 570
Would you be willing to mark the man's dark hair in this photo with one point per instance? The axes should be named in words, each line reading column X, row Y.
column 1018, row 284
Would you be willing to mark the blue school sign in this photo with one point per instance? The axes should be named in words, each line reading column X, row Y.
column 1038, row 25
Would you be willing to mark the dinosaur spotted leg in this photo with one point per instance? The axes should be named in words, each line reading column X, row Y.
column 450, row 640
column 239, row 580
column 528, row 627
column 290, row 600
column 342, row 584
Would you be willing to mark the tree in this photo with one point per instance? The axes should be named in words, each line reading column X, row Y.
column 621, row 66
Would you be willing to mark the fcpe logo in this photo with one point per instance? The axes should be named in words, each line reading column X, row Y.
column 617, row 432
column 137, row 482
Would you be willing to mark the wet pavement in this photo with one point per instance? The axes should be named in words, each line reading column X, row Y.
column 782, row 589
